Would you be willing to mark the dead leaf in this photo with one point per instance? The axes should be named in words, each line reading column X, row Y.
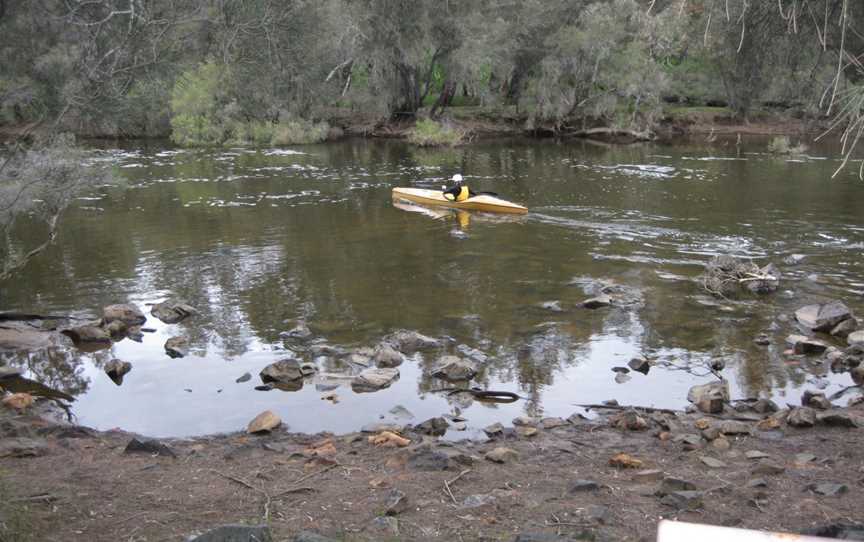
column 18, row 401
column 703, row 423
column 324, row 448
column 625, row 461
column 767, row 424
column 389, row 439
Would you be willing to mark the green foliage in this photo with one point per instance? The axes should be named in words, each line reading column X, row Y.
column 299, row 132
column 428, row 133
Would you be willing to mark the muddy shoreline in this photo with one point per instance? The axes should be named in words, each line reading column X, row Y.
column 74, row 483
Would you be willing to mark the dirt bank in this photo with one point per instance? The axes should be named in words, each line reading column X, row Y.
column 71, row 483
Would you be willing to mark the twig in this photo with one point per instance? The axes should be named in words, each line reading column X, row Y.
column 311, row 474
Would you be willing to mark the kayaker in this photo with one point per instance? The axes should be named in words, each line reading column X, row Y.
column 458, row 192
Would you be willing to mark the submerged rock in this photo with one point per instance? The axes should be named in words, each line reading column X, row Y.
column 300, row 332
column 455, row 369
column 87, row 334
column 171, row 311
column 805, row 345
column 601, row 300
column 433, row 426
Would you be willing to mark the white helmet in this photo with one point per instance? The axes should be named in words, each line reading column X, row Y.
column 457, row 178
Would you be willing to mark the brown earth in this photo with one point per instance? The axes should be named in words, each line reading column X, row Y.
column 80, row 485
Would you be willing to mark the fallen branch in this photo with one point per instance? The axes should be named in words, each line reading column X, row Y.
column 447, row 485
column 605, row 131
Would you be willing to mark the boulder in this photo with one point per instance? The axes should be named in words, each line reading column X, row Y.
column 839, row 418
column 823, row 317
column 844, row 328
column 454, row 369
column 87, row 334
column 117, row 369
column 148, row 446
column 801, row 417
column 640, row 365
column 602, row 300
column 805, row 345
column 502, row 455
column 300, row 332
column 710, row 397
column 387, row 357
column 433, row 426
column 374, row 380
column 236, row 533
column 284, row 370
column 264, row 422
column 815, row 400
column 135, row 334
column 412, row 341
column 856, row 338
column 630, row 420
column 172, row 311
column 494, row 430
column 127, row 313
column 177, row 347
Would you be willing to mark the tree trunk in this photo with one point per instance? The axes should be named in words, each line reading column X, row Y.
column 445, row 98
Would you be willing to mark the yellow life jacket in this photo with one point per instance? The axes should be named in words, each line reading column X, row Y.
column 464, row 193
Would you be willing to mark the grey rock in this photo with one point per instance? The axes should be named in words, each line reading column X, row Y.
column 828, row 489
column 87, row 334
column 284, row 370
column 762, row 339
column 710, row 397
column 839, row 530
column 803, row 458
column 387, row 357
column 116, row 329
column 689, row 441
column 801, row 417
column 804, row 345
column 10, row 372
column 411, row 341
column 401, row 412
column 640, row 365
column 145, row 446
column 472, row 353
column 236, row 533
column 756, row 483
column 823, row 317
column 622, row 370
column 172, row 311
column 765, row 286
column 308, row 536
column 433, row 426
column 764, row 406
column 386, row 524
column 597, row 514
column 177, row 347
column 374, row 379
column 794, row 259
column 476, row 501
column 246, row 377
column 646, row 476
column 494, row 430
column 379, row 427
column 597, row 302
column 134, row 333
column 671, row 484
column 22, row 447
column 845, row 328
column 127, row 313
column 815, row 400
column 455, row 369
column 397, row 502
column 552, row 423
column 552, row 306
column 733, row 427
column 856, row 338
column 300, row 332
column 712, row 462
column 358, row 359
column 767, row 468
column 755, row 454
column 427, row 460
column 839, row 418
column 502, row 455
column 621, row 378
column 117, row 369
column 683, row 500
column 582, row 486
column 526, row 421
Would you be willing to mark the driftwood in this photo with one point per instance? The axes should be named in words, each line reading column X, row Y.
column 484, row 395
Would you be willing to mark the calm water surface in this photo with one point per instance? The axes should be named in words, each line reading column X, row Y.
column 259, row 240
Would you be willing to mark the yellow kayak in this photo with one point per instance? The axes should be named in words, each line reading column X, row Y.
column 482, row 202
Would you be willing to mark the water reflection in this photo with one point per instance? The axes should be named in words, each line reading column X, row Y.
column 260, row 240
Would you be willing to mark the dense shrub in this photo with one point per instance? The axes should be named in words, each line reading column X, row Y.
column 428, row 133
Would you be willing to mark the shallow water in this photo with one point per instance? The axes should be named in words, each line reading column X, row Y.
column 259, row 240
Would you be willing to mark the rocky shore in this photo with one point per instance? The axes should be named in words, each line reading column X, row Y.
column 612, row 477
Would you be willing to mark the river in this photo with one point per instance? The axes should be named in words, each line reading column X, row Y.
column 261, row 240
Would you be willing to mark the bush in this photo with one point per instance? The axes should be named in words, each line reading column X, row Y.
column 782, row 145
column 428, row 133
column 299, row 132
